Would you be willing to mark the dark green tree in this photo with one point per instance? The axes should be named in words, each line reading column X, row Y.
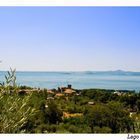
column 97, row 115
column 119, row 120
column 138, row 105
column 53, row 113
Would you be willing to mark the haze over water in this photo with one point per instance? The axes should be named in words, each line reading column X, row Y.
column 118, row 80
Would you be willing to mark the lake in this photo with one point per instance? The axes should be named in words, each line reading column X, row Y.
column 118, row 80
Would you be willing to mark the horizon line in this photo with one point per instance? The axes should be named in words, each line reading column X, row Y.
column 117, row 70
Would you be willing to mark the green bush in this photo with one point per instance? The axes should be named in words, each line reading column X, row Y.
column 102, row 130
column 73, row 129
column 14, row 113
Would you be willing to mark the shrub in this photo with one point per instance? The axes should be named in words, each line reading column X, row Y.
column 14, row 113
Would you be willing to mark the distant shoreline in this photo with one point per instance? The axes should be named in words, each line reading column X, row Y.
column 82, row 71
column 116, row 80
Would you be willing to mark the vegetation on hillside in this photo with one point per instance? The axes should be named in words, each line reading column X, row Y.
column 27, row 110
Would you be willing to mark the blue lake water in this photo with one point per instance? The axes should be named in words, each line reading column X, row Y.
column 80, row 80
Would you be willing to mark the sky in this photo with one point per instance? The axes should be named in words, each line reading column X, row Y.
column 70, row 38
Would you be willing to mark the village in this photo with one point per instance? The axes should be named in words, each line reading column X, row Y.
column 67, row 92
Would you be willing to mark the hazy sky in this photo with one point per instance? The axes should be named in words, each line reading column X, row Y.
column 70, row 38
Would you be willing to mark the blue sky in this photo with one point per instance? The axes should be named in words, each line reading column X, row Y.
column 70, row 38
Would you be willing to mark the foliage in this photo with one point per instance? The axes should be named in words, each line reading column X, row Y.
column 10, row 82
column 138, row 105
column 14, row 113
column 120, row 120
column 53, row 113
column 34, row 113
column 112, row 115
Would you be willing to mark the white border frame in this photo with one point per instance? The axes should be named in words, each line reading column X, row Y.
column 69, row 2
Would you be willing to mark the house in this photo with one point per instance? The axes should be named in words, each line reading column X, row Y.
column 69, row 92
column 71, row 115
column 62, row 89
column 59, row 95
column 50, row 98
column 91, row 103
column 118, row 93
column 22, row 92
column 132, row 113
column 46, row 106
column 50, row 91
column 69, row 86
